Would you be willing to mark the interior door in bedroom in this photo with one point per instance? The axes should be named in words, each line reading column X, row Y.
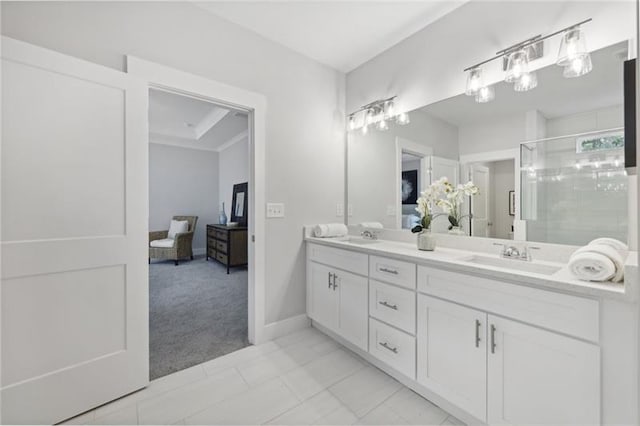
column 74, row 243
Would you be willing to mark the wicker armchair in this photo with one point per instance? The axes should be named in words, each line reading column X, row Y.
column 182, row 244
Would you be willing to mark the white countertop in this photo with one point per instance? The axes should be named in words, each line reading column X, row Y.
column 453, row 260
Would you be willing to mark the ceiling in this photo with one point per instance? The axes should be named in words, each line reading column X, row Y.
column 193, row 123
column 340, row 34
column 554, row 97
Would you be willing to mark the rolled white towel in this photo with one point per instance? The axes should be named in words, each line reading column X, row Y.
column 376, row 225
column 326, row 230
column 597, row 262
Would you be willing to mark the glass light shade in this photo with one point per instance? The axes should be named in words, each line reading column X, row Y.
column 365, row 129
column 352, row 123
column 474, row 82
column 389, row 109
column 517, row 66
column 403, row 118
column 573, row 45
column 369, row 117
column 526, row 82
column 579, row 66
column 485, row 94
column 382, row 125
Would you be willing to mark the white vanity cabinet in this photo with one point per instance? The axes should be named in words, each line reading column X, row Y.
column 502, row 353
column 452, row 353
column 338, row 299
column 540, row 377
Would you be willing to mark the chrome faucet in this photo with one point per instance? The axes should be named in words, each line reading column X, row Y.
column 512, row 252
column 368, row 234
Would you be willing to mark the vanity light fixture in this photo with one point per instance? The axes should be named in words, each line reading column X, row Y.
column 377, row 113
column 573, row 56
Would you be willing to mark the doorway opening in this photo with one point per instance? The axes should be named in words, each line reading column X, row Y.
column 199, row 173
column 493, row 209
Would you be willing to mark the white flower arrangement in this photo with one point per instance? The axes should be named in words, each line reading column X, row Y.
column 450, row 202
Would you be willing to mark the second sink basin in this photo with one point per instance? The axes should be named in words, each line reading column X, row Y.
column 519, row 265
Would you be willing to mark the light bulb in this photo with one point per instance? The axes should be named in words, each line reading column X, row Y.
column 365, row 129
column 485, row 94
column 474, row 82
column 403, row 118
column 369, row 117
column 578, row 66
column 526, row 82
column 382, row 125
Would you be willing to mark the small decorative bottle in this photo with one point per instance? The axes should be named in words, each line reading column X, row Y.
column 223, row 216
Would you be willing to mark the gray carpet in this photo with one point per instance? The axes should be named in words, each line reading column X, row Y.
column 196, row 313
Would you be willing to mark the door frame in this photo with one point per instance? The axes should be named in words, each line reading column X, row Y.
column 419, row 150
column 519, row 226
column 161, row 77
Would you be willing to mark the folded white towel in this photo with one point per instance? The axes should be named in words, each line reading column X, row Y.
column 330, row 230
column 376, row 225
column 597, row 262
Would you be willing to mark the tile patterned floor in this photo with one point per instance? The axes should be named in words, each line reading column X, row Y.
column 304, row 378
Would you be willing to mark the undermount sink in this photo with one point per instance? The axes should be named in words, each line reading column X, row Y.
column 360, row 241
column 515, row 264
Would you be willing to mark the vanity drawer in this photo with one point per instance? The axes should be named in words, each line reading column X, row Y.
column 393, row 271
column 393, row 347
column 221, row 246
column 573, row 315
column 351, row 261
column 393, row 305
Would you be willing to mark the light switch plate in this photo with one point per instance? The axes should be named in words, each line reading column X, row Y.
column 275, row 210
column 339, row 210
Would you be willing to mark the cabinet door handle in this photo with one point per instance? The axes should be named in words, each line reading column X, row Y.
column 493, row 339
column 388, row 305
column 478, row 333
column 389, row 348
column 329, row 279
column 335, row 277
column 387, row 270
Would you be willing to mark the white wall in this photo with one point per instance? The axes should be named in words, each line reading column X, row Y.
column 503, row 133
column 305, row 111
column 427, row 67
column 234, row 168
column 502, row 181
column 602, row 119
column 183, row 182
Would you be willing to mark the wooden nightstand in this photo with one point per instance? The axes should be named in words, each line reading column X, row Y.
column 227, row 245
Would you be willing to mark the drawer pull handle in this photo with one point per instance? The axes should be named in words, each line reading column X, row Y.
column 335, row 277
column 493, row 339
column 388, row 305
column 387, row 270
column 477, row 333
column 389, row 348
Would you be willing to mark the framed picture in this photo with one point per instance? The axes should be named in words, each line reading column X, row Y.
column 409, row 187
column 600, row 142
column 239, row 203
column 512, row 203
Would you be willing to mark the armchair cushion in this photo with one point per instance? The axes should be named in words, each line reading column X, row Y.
column 163, row 243
column 178, row 227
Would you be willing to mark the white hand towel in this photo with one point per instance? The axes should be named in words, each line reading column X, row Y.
column 330, row 230
column 597, row 262
column 375, row 225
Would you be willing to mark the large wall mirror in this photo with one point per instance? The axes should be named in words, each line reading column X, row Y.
column 549, row 163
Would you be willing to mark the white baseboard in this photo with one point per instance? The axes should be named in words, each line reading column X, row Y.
column 284, row 327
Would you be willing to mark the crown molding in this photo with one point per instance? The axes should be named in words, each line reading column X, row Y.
column 237, row 138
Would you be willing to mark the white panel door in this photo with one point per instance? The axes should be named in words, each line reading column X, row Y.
column 323, row 299
column 452, row 353
column 74, row 235
column 539, row 377
column 353, row 307
column 443, row 167
column 480, row 210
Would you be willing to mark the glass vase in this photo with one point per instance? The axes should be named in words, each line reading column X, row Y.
column 426, row 240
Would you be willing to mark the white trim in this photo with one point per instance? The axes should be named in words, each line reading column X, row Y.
column 419, row 150
column 519, row 226
column 158, row 140
column 210, row 121
column 286, row 326
column 171, row 79
column 237, row 138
